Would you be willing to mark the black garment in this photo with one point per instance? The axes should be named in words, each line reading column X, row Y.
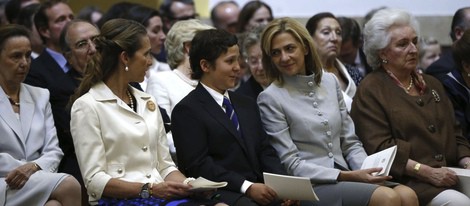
column 442, row 66
column 250, row 88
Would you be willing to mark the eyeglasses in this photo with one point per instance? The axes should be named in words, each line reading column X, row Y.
column 85, row 43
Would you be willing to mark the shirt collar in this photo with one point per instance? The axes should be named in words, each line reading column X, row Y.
column 219, row 98
column 60, row 59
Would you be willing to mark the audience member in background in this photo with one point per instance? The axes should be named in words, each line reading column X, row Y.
column 224, row 16
column 152, row 21
column 76, row 41
column 170, row 87
column 13, row 8
column 304, row 112
column 253, row 14
column 176, row 10
column 173, row 11
column 326, row 33
column 91, row 14
column 351, row 54
column 3, row 18
column 429, row 52
column 117, row 10
column 445, row 64
column 395, row 105
column 457, row 82
column 29, row 150
column 52, row 71
column 371, row 13
column 218, row 134
column 251, row 55
column 117, row 130
column 26, row 18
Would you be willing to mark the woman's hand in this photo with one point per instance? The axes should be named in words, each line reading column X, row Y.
column 170, row 189
column 364, row 175
column 439, row 177
column 18, row 177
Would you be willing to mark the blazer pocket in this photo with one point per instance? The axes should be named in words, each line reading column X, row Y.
column 116, row 170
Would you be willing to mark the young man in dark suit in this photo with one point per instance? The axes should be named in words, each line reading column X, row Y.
column 217, row 133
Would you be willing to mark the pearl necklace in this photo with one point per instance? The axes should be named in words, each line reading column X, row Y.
column 12, row 102
column 130, row 100
column 409, row 86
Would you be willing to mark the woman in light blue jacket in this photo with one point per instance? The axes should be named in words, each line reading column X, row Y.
column 304, row 112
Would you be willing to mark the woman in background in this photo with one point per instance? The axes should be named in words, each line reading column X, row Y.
column 429, row 52
column 253, row 14
column 251, row 55
column 326, row 33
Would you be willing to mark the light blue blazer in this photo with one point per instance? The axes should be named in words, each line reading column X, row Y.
column 33, row 138
column 311, row 128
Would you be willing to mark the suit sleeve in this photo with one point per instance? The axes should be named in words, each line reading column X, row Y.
column 190, row 134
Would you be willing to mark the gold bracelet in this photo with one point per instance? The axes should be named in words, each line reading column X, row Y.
column 36, row 166
column 417, row 167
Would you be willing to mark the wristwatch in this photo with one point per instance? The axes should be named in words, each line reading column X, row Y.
column 144, row 192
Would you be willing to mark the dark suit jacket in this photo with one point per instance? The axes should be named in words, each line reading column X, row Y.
column 250, row 88
column 46, row 73
column 208, row 145
column 443, row 65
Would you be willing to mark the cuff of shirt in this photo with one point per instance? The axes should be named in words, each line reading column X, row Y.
column 246, row 184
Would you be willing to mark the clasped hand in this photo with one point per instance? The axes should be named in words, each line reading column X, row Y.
column 18, row 177
column 440, row 177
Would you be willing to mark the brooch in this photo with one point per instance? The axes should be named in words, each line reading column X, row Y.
column 151, row 106
column 435, row 95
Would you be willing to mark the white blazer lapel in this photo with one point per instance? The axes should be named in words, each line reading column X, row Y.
column 26, row 110
column 9, row 116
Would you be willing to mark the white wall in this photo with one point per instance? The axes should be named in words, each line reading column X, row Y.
column 358, row 8
column 434, row 16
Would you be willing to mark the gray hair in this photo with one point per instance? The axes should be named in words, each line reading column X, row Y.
column 181, row 32
column 376, row 32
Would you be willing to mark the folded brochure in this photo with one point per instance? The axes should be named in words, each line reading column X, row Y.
column 203, row 184
column 383, row 159
column 290, row 187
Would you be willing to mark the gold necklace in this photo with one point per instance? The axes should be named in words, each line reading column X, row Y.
column 409, row 86
column 12, row 102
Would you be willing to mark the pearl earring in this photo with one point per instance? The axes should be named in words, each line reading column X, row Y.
column 126, row 69
column 384, row 61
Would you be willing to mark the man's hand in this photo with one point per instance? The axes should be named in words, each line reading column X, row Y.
column 261, row 193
